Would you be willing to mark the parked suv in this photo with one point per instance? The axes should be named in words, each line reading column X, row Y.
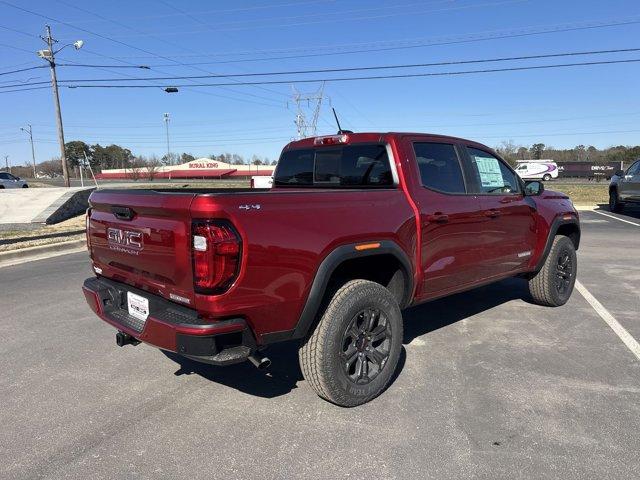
column 10, row 181
column 625, row 187
column 355, row 228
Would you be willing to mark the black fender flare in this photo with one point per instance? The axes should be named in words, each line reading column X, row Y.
column 553, row 231
column 323, row 274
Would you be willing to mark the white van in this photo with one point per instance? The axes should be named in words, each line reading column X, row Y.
column 537, row 169
column 261, row 181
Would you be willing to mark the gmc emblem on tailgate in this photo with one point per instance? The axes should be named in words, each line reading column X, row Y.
column 124, row 240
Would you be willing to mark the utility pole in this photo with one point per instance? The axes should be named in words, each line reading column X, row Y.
column 6, row 162
column 304, row 128
column 166, row 124
column 49, row 55
column 29, row 131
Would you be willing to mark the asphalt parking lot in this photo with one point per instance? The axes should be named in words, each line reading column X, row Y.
column 490, row 386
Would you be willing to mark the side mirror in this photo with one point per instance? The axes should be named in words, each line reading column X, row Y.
column 533, row 188
column 619, row 173
column 17, row 178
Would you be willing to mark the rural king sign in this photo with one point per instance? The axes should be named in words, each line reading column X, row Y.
column 199, row 164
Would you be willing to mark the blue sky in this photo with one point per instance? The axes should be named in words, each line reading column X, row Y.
column 597, row 105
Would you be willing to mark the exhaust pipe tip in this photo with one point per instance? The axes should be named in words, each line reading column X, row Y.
column 259, row 361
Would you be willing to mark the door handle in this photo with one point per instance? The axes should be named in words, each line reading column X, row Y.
column 438, row 218
column 492, row 213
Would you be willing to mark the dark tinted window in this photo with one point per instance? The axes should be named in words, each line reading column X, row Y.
column 349, row 166
column 295, row 167
column 5, row 176
column 493, row 176
column 439, row 167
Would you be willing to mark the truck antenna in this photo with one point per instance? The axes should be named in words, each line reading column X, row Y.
column 340, row 130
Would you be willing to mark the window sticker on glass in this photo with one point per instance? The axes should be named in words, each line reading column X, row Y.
column 489, row 170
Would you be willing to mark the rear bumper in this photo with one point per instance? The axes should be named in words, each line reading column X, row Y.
column 170, row 326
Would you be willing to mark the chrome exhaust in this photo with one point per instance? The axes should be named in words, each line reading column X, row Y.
column 259, row 361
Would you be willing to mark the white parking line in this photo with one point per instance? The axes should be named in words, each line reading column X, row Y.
column 617, row 218
column 624, row 335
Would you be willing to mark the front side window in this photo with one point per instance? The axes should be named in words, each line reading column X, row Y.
column 5, row 176
column 493, row 176
column 351, row 166
column 439, row 167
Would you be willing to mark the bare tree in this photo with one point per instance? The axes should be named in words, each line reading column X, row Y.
column 153, row 166
column 136, row 168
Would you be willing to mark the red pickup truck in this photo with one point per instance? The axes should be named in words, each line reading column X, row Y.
column 356, row 228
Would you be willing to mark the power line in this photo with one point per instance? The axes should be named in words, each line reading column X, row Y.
column 104, row 37
column 378, row 67
column 23, row 70
column 343, row 18
column 378, row 77
column 375, row 47
column 115, row 22
column 222, row 11
column 74, row 65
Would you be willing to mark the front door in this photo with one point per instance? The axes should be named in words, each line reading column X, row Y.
column 509, row 234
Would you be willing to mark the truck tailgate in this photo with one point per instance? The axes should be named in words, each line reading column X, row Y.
column 143, row 239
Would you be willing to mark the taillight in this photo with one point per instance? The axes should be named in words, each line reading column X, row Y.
column 86, row 224
column 217, row 249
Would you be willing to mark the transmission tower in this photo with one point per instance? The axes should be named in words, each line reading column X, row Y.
column 308, row 103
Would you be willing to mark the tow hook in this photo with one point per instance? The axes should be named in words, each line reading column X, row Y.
column 259, row 361
column 123, row 339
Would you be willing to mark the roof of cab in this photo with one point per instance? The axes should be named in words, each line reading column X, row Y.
column 382, row 137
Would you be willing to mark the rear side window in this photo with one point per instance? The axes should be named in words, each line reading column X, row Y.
column 348, row 166
column 439, row 167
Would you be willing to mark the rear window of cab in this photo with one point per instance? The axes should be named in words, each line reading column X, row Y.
column 349, row 166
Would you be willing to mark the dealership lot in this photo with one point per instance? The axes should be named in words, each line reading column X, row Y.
column 490, row 386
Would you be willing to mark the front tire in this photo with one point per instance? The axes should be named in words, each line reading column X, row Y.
column 352, row 354
column 546, row 178
column 615, row 205
column 553, row 284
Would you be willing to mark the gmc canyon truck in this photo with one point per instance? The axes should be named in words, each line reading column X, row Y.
column 356, row 228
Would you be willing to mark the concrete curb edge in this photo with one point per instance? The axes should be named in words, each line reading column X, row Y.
column 22, row 255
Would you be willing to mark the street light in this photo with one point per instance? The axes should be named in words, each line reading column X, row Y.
column 29, row 131
column 49, row 55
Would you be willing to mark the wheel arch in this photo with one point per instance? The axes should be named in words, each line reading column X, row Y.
column 346, row 263
column 560, row 226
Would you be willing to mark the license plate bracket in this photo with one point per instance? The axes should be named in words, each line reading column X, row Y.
column 138, row 306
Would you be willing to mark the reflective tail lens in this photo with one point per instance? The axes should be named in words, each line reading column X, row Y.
column 217, row 250
column 87, row 223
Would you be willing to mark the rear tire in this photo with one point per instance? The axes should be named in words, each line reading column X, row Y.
column 615, row 205
column 546, row 178
column 553, row 284
column 352, row 354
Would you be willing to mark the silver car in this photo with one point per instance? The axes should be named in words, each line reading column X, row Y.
column 625, row 187
column 10, row 181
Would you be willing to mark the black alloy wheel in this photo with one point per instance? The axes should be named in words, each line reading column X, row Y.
column 564, row 272
column 366, row 345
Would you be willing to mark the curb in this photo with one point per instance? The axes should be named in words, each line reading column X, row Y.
column 23, row 255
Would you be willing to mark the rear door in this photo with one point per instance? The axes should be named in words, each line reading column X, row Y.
column 509, row 233
column 450, row 218
column 143, row 239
